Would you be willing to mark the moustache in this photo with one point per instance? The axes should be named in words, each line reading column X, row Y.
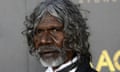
column 48, row 49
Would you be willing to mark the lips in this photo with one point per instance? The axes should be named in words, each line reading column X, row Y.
column 49, row 53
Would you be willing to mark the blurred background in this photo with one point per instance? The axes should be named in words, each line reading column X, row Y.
column 103, row 22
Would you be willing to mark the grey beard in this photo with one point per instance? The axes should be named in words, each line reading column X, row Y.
column 53, row 62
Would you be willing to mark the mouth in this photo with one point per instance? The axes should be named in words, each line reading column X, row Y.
column 49, row 53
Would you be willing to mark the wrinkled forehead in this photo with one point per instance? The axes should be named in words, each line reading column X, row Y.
column 49, row 21
column 48, row 18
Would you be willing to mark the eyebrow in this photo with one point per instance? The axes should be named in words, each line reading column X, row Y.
column 51, row 28
column 58, row 28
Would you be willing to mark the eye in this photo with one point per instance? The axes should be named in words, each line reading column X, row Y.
column 56, row 29
column 38, row 31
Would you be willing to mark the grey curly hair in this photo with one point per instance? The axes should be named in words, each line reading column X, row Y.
column 70, row 16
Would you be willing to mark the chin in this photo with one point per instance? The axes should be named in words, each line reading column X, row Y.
column 51, row 62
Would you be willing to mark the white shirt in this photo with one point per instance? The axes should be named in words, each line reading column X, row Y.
column 49, row 69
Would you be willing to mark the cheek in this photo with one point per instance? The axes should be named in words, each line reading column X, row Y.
column 60, row 39
column 36, row 41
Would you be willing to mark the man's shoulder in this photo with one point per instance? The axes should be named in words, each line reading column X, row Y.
column 86, row 70
column 85, row 67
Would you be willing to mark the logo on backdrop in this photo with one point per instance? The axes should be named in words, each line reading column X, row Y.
column 106, row 61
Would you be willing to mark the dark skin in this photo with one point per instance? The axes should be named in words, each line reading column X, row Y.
column 50, row 32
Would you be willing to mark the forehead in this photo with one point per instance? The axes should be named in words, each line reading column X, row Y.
column 49, row 20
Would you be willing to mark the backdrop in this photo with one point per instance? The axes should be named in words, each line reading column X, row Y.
column 103, row 22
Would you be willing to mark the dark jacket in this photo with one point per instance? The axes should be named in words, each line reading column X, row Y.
column 85, row 67
column 82, row 66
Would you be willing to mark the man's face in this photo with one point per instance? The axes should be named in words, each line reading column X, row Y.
column 48, row 40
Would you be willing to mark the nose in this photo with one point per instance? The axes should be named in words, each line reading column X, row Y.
column 46, row 38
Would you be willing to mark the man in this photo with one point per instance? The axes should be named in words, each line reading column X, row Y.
column 57, row 35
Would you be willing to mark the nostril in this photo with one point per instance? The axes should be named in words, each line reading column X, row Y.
column 49, row 40
column 46, row 39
